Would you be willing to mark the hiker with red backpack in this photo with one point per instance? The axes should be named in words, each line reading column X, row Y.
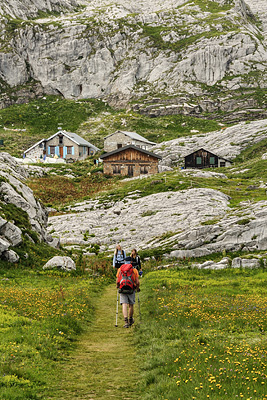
column 127, row 284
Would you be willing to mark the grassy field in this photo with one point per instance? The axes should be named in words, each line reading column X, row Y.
column 42, row 313
column 25, row 124
column 203, row 335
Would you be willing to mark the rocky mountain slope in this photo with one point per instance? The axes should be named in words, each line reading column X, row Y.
column 198, row 56
column 33, row 8
column 227, row 143
column 185, row 223
column 22, row 217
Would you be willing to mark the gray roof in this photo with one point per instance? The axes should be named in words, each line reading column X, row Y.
column 73, row 136
column 76, row 138
column 133, row 135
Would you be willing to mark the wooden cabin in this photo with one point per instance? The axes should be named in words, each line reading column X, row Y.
column 205, row 159
column 130, row 161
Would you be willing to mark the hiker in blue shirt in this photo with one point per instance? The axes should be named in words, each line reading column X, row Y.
column 119, row 257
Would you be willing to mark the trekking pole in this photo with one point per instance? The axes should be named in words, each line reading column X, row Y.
column 117, row 309
column 139, row 306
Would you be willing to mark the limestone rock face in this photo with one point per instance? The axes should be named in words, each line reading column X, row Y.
column 13, row 191
column 130, row 49
column 147, row 222
column 188, row 223
column 24, row 9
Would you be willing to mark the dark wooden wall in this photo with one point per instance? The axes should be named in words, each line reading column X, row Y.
column 206, row 158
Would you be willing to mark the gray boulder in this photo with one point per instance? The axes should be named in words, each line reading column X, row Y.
column 60, row 262
column 4, row 245
column 10, row 256
column 12, row 233
column 239, row 262
column 224, row 263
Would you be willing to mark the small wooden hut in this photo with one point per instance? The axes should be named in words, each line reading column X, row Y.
column 205, row 159
column 130, row 161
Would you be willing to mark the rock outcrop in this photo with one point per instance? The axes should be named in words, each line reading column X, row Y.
column 227, row 143
column 20, row 212
column 33, row 9
column 237, row 262
column 60, row 262
column 187, row 223
column 136, row 49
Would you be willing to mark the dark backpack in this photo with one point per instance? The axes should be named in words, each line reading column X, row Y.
column 126, row 279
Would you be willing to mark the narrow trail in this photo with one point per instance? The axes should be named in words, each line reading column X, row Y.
column 104, row 364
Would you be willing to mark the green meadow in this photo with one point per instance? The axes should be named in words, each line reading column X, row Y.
column 41, row 316
column 198, row 334
column 203, row 335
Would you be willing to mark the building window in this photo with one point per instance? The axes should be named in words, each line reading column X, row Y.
column 119, row 145
column 41, row 145
column 222, row 163
column 69, row 149
column 61, row 139
column 212, row 160
column 52, row 149
column 199, row 160
column 116, row 169
column 143, row 169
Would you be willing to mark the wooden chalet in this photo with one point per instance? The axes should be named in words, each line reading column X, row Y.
column 130, row 161
column 205, row 159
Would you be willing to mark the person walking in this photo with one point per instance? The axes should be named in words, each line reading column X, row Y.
column 135, row 260
column 127, row 284
column 119, row 256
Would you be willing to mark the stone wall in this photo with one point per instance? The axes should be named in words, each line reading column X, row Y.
column 66, row 142
column 36, row 152
column 111, row 142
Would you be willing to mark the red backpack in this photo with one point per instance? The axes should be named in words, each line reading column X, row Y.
column 126, row 279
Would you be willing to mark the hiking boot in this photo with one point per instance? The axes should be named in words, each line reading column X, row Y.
column 126, row 323
column 131, row 321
